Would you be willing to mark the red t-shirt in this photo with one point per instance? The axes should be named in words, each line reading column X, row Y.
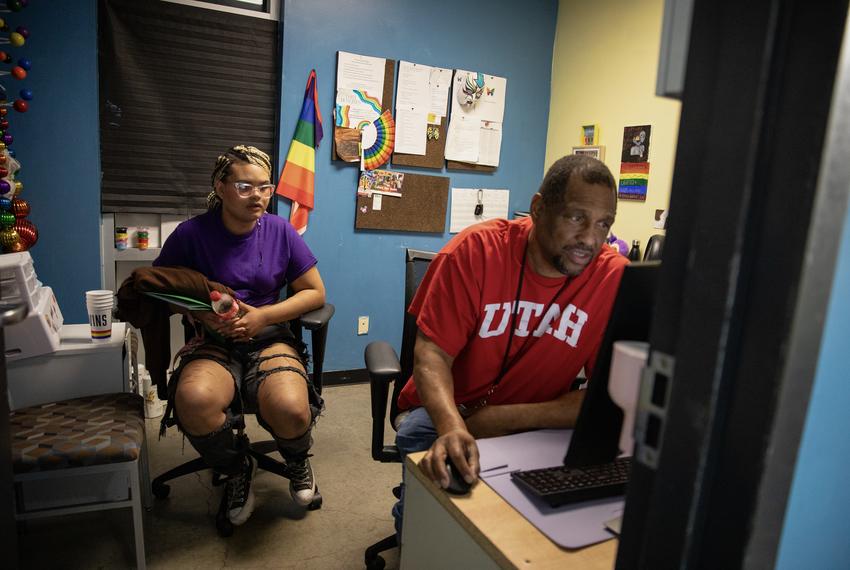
column 464, row 305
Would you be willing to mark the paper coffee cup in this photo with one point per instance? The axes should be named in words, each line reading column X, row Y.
column 99, row 304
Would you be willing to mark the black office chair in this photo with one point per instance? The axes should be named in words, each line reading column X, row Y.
column 385, row 368
column 654, row 247
column 317, row 323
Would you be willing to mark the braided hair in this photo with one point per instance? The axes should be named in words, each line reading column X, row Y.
column 238, row 153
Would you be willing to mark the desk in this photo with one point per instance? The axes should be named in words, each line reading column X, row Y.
column 80, row 367
column 480, row 530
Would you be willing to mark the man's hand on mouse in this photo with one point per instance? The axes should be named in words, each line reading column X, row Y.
column 458, row 444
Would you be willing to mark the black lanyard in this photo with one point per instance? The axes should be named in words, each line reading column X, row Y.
column 505, row 364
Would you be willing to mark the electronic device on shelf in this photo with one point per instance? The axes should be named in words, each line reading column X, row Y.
column 38, row 333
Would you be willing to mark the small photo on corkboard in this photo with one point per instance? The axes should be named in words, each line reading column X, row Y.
column 421, row 207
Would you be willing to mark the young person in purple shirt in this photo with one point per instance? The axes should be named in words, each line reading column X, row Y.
column 259, row 362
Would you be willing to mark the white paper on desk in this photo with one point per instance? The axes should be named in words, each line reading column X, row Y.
column 440, row 81
column 490, row 143
column 413, row 89
column 410, row 131
column 463, row 140
column 464, row 201
column 361, row 72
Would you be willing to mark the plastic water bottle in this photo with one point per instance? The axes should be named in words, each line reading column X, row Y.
column 224, row 305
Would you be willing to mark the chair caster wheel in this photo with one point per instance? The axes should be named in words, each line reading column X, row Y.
column 316, row 503
column 160, row 490
column 224, row 526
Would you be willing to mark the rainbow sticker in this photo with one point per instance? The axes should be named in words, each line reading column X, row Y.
column 367, row 99
column 377, row 151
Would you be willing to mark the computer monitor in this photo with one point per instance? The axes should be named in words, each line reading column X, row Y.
column 597, row 433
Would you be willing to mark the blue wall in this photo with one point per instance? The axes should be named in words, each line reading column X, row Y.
column 815, row 532
column 57, row 145
column 57, row 141
column 363, row 270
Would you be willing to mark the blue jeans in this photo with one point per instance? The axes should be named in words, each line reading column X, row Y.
column 415, row 433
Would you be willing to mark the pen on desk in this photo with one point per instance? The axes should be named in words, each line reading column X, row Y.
column 494, row 468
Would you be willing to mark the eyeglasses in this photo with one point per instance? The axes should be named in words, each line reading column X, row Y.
column 245, row 189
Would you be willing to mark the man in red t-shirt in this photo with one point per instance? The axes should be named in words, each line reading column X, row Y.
column 509, row 313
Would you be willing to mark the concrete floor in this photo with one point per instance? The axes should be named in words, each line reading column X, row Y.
column 180, row 531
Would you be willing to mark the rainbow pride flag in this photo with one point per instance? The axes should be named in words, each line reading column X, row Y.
column 634, row 178
column 297, row 178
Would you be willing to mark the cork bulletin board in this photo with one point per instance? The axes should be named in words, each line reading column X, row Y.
column 420, row 208
column 434, row 151
column 349, row 136
column 455, row 165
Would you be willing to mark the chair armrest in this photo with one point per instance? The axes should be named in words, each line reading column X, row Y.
column 317, row 318
column 383, row 367
column 382, row 361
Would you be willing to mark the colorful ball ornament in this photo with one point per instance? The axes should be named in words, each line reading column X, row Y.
column 20, row 106
column 7, row 219
column 27, row 232
column 4, row 56
column 8, row 238
column 17, row 247
column 25, row 63
column 5, row 204
column 19, row 186
column 14, row 5
column 8, row 139
column 18, row 72
column 16, row 39
column 5, row 187
column 24, row 31
column 26, row 94
column 20, row 208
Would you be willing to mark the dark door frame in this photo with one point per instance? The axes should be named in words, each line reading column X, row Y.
column 8, row 526
column 756, row 190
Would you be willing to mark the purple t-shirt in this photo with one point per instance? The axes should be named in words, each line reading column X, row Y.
column 256, row 265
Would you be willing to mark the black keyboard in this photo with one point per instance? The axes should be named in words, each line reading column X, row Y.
column 564, row 485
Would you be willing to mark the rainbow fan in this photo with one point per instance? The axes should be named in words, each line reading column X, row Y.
column 377, row 141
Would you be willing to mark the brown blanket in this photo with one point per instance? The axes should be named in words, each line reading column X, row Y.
column 151, row 316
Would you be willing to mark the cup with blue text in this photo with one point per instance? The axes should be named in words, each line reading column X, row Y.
column 99, row 304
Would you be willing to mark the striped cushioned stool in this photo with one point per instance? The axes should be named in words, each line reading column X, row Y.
column 91, row 437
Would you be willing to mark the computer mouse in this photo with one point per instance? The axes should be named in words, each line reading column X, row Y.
column 457, row 484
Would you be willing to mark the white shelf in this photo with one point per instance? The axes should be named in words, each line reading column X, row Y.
column 136, row 254
column 116, row 264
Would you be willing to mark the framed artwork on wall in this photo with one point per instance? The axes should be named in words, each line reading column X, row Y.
column 597, row 151
column 589, row 135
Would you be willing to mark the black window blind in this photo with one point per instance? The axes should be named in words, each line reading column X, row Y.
column 178, row 86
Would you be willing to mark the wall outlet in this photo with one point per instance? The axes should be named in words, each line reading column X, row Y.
column 362, row 325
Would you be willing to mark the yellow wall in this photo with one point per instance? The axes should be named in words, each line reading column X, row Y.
column 604, row 65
